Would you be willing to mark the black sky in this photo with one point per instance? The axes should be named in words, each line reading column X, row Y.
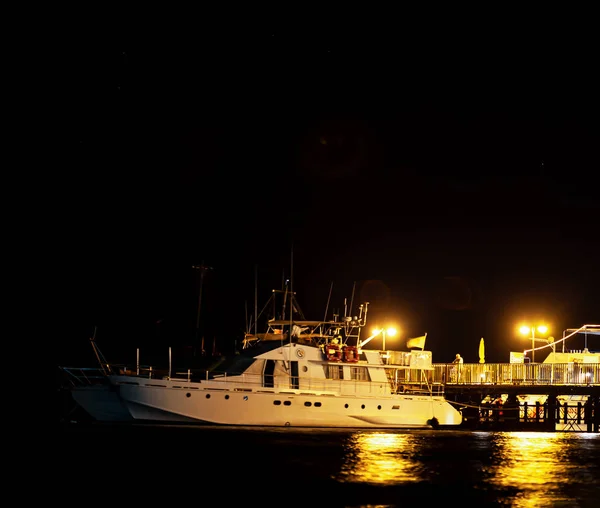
column 455, row 183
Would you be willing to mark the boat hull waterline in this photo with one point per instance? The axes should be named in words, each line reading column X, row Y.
column 283, row 409
column 102, row 403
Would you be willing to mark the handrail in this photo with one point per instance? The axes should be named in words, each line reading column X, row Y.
column 543, row 374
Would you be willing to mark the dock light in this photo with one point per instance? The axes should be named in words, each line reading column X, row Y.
column 527, row 330
column 391, row 331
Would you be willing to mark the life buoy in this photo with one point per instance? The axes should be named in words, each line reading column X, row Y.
column 350, row 354
column 333, row 352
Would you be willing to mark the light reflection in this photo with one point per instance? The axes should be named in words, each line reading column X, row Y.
column 381, row 458
column 532, row 463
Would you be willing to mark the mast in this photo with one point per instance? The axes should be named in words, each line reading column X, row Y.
column 292, row 295
column 352, row 298
column 328, row 300
column 255, row 300
column 203, row 269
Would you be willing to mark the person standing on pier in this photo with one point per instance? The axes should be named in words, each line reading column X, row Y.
column 459, row 364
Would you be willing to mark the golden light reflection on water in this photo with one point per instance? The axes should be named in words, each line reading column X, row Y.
column 532, row 463
column 381, row 458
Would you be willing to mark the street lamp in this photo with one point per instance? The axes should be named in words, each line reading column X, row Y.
column 526, row 330
column 550, row 340
column 383, row 331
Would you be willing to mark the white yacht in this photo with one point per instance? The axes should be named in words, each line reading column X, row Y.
column 299, row 373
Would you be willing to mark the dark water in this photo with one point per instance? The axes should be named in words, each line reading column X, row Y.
column 219, row 466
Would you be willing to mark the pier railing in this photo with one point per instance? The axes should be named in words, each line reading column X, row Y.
column 575, row 374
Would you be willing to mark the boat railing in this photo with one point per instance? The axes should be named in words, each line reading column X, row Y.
column 415, row 385
column 83, row 376
column 543, row 374
column 418, row 383
column 579, row 374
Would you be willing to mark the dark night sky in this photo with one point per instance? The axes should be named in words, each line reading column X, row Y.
column 455, row 184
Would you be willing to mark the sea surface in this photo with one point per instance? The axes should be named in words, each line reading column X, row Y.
column 139, row 466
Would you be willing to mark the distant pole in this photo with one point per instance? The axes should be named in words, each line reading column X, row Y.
column 202, row 268
column 255, row 300
column 291, row 291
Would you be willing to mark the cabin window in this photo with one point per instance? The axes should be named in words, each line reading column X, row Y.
column 359, row 373
column 308, row 404
column 334, row 372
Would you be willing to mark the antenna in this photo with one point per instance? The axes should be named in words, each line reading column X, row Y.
column 291, row 291
column 352, row 299
column 255, row 299
column 328, row 300
column 202, row 269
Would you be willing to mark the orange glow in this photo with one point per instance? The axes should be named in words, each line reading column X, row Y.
column 525, row 330
column 531, row 462
column 530, row 330
column 382, row 458
column 390, row 332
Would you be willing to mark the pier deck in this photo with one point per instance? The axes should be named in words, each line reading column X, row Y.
column 538, row 396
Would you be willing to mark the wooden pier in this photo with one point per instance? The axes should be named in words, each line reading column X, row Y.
column 533, row 397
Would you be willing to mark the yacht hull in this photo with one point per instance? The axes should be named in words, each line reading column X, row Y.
column 192, row 403
column 101, row 402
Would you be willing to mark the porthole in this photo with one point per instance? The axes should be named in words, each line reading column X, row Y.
column 277, row 402
column 317, row 404
column 346, row 406
column 308, row 404
column 363, row 406
column 208, row 395
column 304, row 368
column 287, row 403
column 226, row 397
column 378, row 407
column 188, row 394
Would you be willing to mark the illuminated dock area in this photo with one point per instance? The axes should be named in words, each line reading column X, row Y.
column 560, row 393
column 524, row 396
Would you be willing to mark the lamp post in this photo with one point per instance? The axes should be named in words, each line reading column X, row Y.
column 383, row 331
column 526, row 330
column 550, row 340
